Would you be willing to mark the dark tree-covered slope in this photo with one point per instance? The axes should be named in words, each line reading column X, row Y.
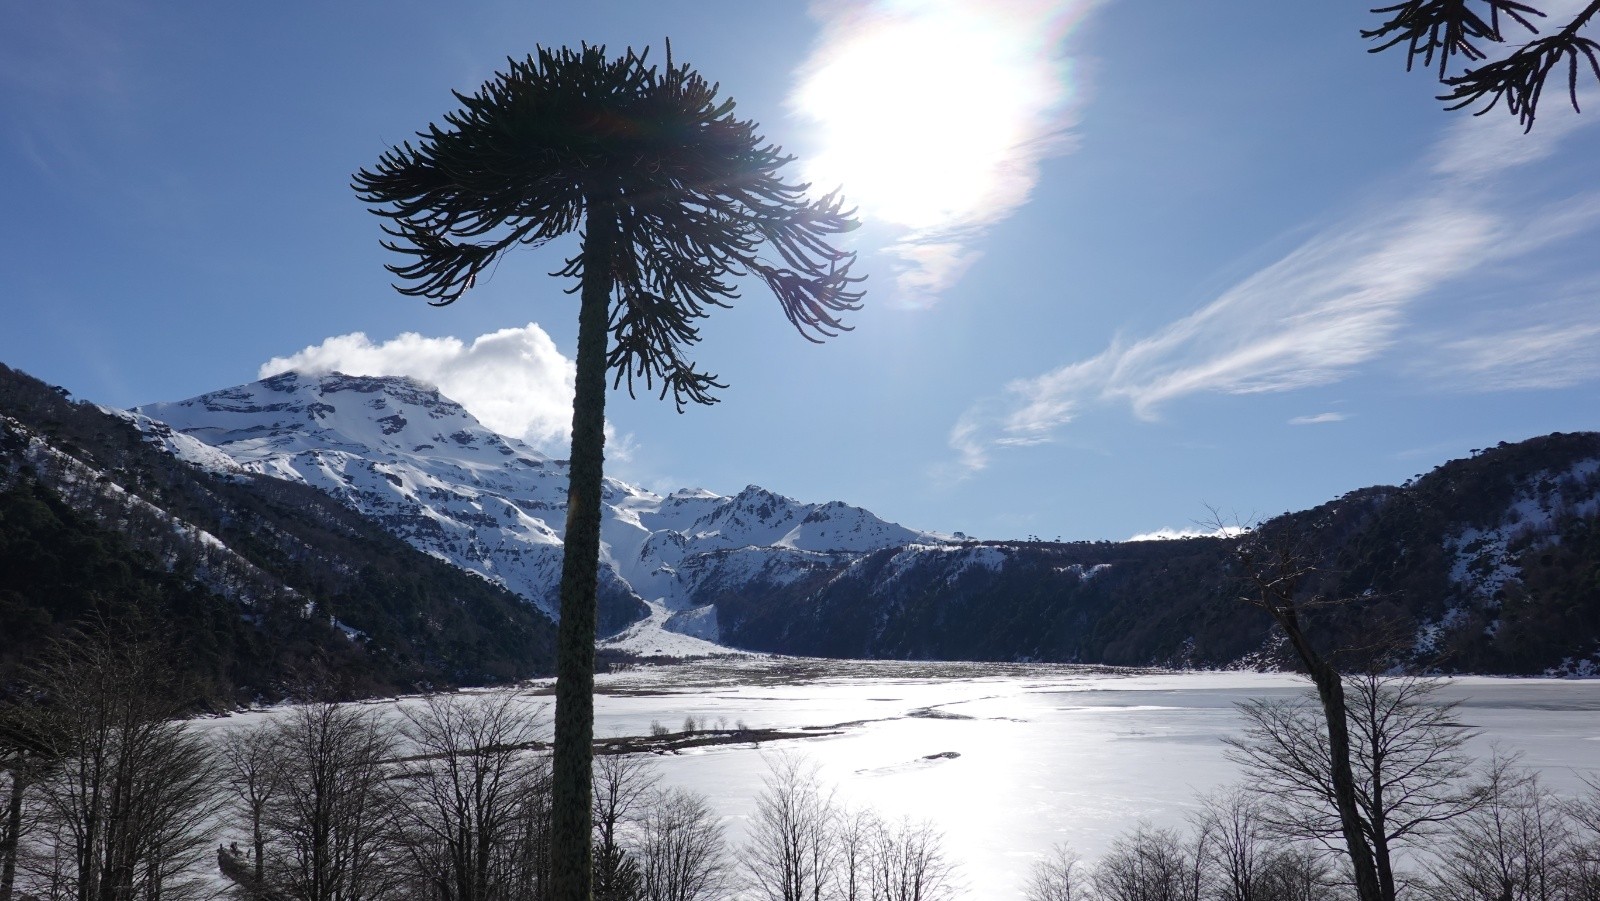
column 1489, row 564
column 258, row 582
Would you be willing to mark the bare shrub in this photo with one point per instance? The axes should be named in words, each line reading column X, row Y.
column 909, row 864
column 1148, row 864
column 623, row 786
column 330, row 824
column 791, row 850
column 466, row 789
column 681, row 849
column 1059, row 877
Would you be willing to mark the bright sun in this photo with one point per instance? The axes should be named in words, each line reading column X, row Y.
column 926, row 111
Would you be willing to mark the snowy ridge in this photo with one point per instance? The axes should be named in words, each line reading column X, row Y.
column 419, row 464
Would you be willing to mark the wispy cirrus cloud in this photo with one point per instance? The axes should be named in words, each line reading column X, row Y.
column 935, row 149
column 514, row 381
column 1318, row 419
column 1334, row 304
column 1503, row 352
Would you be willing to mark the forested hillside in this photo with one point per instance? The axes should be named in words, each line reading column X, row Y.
column 256, row 582
column 1489, row 564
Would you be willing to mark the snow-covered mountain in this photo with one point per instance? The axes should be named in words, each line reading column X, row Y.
column 419, row 464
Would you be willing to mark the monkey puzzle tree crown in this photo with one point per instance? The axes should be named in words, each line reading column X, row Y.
column 687, row 193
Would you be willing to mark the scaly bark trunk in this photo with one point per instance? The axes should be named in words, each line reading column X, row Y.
column 571, row 854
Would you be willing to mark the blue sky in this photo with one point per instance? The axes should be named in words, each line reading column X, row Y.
column 1126, row 259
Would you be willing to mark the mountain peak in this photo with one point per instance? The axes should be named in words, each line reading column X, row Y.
column 298, row 412
column 418, row 463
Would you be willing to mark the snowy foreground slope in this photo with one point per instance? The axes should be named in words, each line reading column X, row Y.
column 420, row 465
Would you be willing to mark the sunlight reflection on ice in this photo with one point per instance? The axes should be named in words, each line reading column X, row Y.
column 1042, row 754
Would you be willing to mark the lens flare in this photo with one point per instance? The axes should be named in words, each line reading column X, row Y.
column 932, row 115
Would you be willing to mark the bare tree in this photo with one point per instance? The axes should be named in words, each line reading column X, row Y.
column 528, row 865
column 12, row 827
column 124, row 810
column 1059, row 877
column 623, row 784
column 1512, row 847
column 855, row 838
column 1582, row 876
column 681, row 849
column 1240, row 848
column 248, row 766
column 1299, row 872
column 22, row 765
column 1148, row 865
column 1408, row 766
column 330, row 821
column 1277, row 567
column 466, row 787
column 792, row 847
column 909, row 864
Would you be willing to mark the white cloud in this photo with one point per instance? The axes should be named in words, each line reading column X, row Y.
column 1479, row 147
column 1318, row 419
column 1309, row 319
column 936, row 149
column 1503, row 353
column 1335, row 303
column 1170, row 534
column 514, row 381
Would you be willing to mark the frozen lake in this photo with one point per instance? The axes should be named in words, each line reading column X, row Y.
column 1047, row 754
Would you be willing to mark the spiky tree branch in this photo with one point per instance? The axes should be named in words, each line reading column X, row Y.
column 1438, row 32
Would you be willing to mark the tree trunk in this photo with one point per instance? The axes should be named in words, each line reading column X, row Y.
column 13, row 835
column 572, row 763
column 259, row 841
column 1330, row 691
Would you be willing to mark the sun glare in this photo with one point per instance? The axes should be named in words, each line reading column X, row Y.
column 928, row 113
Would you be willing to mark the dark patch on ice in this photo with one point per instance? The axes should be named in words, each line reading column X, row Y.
column 932, row 713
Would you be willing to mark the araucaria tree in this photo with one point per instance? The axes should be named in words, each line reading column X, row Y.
column 1438, row 32
column 676, row 199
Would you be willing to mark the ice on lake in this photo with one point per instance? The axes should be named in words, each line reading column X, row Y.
column 1041, row 754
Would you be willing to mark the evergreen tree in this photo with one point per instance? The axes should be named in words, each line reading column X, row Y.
column 674, row 197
